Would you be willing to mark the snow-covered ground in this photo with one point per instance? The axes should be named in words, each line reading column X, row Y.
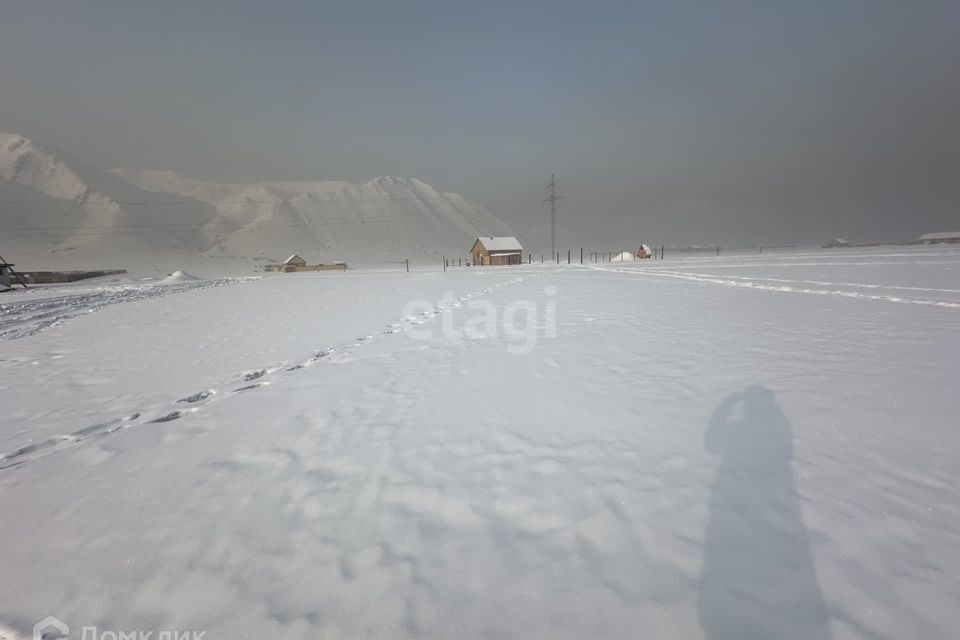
column 750, row 446
column 24, row 312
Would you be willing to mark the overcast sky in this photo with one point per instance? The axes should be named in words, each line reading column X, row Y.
column 731, row 122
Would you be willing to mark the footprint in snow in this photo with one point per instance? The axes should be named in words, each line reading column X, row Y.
column 173, row 415
column 9, row 460
column 104, row 427
column 30, row 448
column 254, row 375
column 197, row 397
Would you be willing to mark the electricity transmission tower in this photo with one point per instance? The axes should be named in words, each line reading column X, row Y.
column 552, row 199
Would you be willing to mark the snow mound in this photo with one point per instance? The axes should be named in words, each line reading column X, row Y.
column 179, row 276
column 7, row 634
column 626, row 256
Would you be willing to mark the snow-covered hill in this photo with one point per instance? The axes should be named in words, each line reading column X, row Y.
column 380, row 219
column 56, row 211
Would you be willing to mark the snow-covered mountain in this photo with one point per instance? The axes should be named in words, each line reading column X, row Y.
column 51, row 204
column 56, row 210
column 383, row 218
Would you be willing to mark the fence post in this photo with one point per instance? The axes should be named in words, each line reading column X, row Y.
column 581, row 255
column 408, row 264
column 568, row 256
column 444, row 263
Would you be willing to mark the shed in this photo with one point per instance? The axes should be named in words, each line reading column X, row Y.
column 295, row 261
column 940, row 236
column 497, row 250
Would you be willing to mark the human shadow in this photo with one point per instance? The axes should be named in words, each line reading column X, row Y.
column 758, row 579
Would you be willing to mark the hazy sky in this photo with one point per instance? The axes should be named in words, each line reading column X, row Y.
column 674, row 121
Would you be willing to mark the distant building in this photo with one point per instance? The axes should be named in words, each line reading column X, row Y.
column 644, row 252
column 940, row 237
column 837, row 242
column 295, row 264
column 497, row 250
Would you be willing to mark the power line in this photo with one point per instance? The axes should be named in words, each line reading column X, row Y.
column 226, row 221
column 107, row 230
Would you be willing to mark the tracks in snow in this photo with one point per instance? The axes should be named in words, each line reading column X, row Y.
column 28, row 317
column 244, row 382
column 785, row 286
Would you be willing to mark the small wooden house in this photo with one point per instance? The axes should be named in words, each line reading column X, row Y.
column 296, row 264
column 496, row 250
column 644, row 252
column 293, row 263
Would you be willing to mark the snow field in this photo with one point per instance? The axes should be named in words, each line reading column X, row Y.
column 686, row 458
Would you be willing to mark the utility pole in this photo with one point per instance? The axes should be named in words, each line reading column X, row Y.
column 552, row 199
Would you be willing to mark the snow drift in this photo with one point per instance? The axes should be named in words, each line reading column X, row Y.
column 179, row 276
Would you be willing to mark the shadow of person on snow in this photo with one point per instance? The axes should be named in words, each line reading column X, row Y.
column 758, row 579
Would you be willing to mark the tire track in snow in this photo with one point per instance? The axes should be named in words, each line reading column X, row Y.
column 29, row 317
column 750, row 284
column 248, row 381
column 816, row 282
column 682, row 264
